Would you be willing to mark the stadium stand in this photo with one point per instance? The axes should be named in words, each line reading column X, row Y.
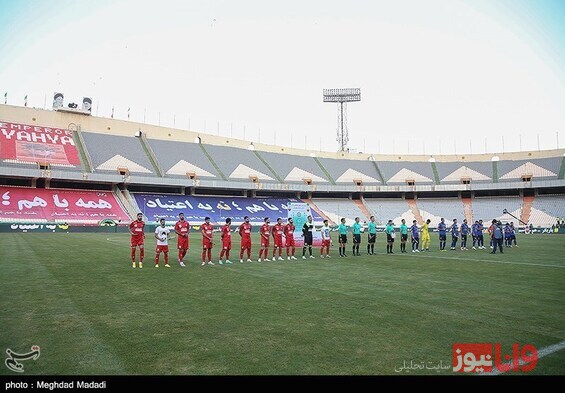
column 294, row 169
column 488, row 208
column 240, row 164
column 180, row 158
column 435, row 208
column 335, row 209
column 402, row 171
column 390, row 209
column 349, row 171
column 545, row 168
column 40, row 205
column 546, row 209
column 454, row 172
column 110, row 152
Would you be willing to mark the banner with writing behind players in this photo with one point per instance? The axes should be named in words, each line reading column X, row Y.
column 196, row 208
column 299, row 212
column 28, row 143
column 39, row 204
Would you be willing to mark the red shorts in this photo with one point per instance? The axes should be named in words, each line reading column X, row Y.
column 137, row 241
column 290, row 241
column 162, row 249
column 325, row 243
column 245, row 243
column 278, row 242
column 182, row 243
column 226, row 245
column 206, row 243
column 264, row 242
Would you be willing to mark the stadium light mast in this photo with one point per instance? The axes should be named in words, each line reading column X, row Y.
column 342, row 96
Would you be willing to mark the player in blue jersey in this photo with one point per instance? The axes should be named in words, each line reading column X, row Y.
column 475, row 234
column 454, row 234
column 442, row 228
column 464, row 234
column 480, row 236
column 415, row 236
column 507, row 230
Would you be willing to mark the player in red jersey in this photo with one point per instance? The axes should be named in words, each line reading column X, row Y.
column 278, row 230
column 137, row 237
column 245, row 233
column 289, row 240
column 226, row 242
column 265, row 233
column 182, row 229
column 207, row 241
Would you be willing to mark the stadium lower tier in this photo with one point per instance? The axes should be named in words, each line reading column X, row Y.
column 25, row 205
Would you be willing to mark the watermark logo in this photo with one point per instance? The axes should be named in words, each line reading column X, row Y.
column 489, row 358
column 13, row 357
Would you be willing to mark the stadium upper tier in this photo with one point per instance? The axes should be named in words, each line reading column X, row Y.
column 42, row 143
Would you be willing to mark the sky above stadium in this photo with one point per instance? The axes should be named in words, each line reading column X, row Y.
column 436, row 76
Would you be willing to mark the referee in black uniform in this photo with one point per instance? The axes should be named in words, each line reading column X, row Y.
column 307, row 230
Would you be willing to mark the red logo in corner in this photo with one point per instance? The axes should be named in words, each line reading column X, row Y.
column 481, row 358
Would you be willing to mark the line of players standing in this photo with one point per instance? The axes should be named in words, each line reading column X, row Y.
column 277, row 231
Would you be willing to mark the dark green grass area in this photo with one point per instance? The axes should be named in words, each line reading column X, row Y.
column 78, row 298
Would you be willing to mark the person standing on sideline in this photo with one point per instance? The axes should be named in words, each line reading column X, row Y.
column 137, row 239
column 480, row 236
column 464, row 234
column 226, row 242
column 390, row 235
column 475, row 234
column 442, row 229
column 507, row 241
column 415, row 236
column 454, row 234
column 372, row 236
column 425, row 231
column 342, row 238
column 403, row 235
column 326, row 240
column 356, row 237
column 513, row 235
column 289, row 240
column 162, row 236
column 245, row 234
column 497, row 236
column 207, row 241
column 265, row 233
column 307, row 232
column 182, row 229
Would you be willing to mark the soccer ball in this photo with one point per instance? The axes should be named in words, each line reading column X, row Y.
column 163, row 238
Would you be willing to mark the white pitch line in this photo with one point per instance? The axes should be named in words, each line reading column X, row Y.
column 482, row 260
column 541, row 353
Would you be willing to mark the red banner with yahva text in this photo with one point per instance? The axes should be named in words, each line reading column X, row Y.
column 49, row 205
column 23, row 142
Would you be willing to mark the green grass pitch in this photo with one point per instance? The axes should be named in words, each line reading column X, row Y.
column 78, row 298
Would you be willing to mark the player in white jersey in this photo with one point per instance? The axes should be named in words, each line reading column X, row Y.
column 326, row 240
column 162, row 234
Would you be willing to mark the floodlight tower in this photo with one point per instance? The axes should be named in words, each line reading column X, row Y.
column 342, row 96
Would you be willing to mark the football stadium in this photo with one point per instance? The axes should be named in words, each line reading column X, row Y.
column 286, row 260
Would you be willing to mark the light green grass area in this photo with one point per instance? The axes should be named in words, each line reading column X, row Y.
column 78, row 298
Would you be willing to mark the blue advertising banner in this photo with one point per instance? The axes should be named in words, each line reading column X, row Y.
column 196, row 208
